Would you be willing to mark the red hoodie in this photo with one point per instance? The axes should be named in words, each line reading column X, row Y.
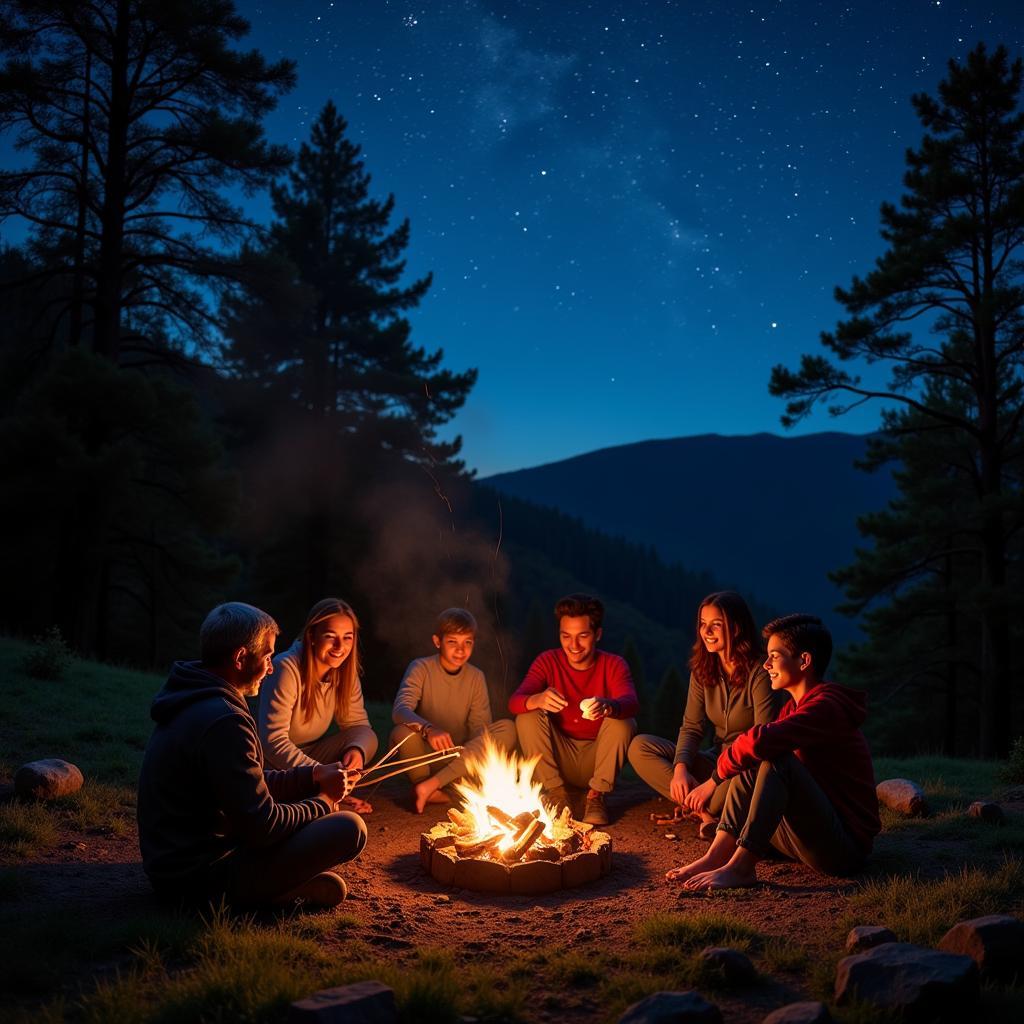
column 823, row 731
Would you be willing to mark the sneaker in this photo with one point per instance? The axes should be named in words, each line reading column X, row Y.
column 595, row 813
column 326, row 889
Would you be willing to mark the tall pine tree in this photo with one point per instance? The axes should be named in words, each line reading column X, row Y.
column 953, row 270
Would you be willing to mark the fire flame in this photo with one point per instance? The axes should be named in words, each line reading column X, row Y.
column 505, row 781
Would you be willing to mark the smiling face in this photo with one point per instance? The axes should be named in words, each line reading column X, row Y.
column 252, row 667
column 332, row 642
column 711, row 626
column 579, row 640
column 454, row 649
column 786, row 670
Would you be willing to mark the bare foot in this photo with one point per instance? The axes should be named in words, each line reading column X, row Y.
column 727, row 877
column 428, row 792
column 702, row 864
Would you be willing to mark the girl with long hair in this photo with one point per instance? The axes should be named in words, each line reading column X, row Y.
column 314, row 683
column 730, row 690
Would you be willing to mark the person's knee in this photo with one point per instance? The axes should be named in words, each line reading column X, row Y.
column 530, row 723
column 371, row 747
column 503, row 732
column 640, row 749
column 619, row 730
column 348, row 834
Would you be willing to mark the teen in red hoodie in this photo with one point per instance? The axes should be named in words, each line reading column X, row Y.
column 803, row 783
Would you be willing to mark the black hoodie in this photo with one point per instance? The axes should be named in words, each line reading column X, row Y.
column 203, row 793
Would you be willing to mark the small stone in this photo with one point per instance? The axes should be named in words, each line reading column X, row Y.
column 902, row 796
column 920, row 984
column 365, row 1002
column 728, row 965
column 671, row 835
column 992, row 813
column 800, row 1013
column 441, row 898
column 47, row 779
column 866, row 936
column 672, row 1008
column 994, row 942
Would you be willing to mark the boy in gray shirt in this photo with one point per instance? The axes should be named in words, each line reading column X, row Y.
column 443, row 700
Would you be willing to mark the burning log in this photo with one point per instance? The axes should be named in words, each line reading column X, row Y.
column 522, row 820
column 489, row 844
column 537, row 852
column 501, row 817
column 524, row 840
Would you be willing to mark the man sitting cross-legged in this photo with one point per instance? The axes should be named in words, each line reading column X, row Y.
column 804, row 783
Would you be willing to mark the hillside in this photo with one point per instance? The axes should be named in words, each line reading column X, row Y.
column 769, row 515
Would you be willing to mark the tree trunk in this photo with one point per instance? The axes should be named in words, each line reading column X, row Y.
column 78, row 281
column 107, row 333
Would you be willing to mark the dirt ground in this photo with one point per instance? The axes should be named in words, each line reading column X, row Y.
column 399, row 907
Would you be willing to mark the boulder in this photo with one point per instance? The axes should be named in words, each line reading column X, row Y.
column 994, row 942
column 47, row 779
column 920, row 984
column 903, row 797
column 672, row 1008
column 866, row 936
column 365, row 1002
column 800, row 1013
column 728, row 965
column 986, row 811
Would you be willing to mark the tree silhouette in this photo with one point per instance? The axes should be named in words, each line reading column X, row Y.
column 139, row 115
column 952, row 272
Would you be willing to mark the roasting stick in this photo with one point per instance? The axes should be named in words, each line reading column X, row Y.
column 390, row 753
column 425, row 758
column 420, row 762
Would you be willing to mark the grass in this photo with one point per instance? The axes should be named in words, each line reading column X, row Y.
column 159, row 966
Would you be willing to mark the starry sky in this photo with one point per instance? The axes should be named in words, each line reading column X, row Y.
column 633, row 209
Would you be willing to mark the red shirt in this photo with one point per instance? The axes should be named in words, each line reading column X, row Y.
column 607, row 677
column 822, row 731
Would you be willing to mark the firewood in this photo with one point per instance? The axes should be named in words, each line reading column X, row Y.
column 460, row 818
column 537, row 852
column 487, row 845
column 501, row 817
column 524, row 819
column 524, row 841
column 570, row 845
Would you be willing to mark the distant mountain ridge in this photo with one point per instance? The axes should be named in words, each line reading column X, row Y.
column 769, row 515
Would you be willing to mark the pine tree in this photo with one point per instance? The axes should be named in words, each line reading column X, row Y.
column 139, row 115
column 953, row 266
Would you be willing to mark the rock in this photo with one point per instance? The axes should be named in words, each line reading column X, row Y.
column 729, row 965
column 903, row 797
column 47, row 779
column 995, row 943
column 672, row 1008
column 921, row 984
column 992, row 813
column 365, row 1002
column 800, row 1013
column 866, row 936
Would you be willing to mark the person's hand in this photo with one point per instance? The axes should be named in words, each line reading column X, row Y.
column 335, row 781
column 547, row 700
column 598, row 707
column 698, row 797
column 438, row 738
column 352, row 759
column 682, row 782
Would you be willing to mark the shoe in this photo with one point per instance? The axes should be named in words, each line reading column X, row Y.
column 557, row 797
column 326, row 889
column 595, row 812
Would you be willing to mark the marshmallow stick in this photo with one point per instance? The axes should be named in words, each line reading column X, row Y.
column 390, row 753
column 426, row 758
column 422, row 763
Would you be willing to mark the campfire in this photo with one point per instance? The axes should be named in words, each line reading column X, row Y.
column 505, row 839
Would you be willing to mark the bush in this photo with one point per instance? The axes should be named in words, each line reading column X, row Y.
column 1012, row 772
column 48, row 657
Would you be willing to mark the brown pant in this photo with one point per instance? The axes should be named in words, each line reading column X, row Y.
column 653, row 760
column 563, row 760
column 502, row 734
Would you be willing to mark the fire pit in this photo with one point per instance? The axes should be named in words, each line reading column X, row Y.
column 504, row 839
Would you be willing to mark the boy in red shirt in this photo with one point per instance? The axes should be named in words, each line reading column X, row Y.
column 804, row 783
column 575, row 710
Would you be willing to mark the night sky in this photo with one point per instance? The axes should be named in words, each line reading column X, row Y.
column 632, row 210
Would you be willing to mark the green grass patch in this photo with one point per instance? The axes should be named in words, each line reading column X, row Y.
column 946, row 781
column 26, row 829
column 922, row 911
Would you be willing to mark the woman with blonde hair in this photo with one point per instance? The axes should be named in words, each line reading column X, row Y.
column 314, row 683
column 729, row 690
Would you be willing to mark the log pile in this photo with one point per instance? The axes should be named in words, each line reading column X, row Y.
column 517, row 854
